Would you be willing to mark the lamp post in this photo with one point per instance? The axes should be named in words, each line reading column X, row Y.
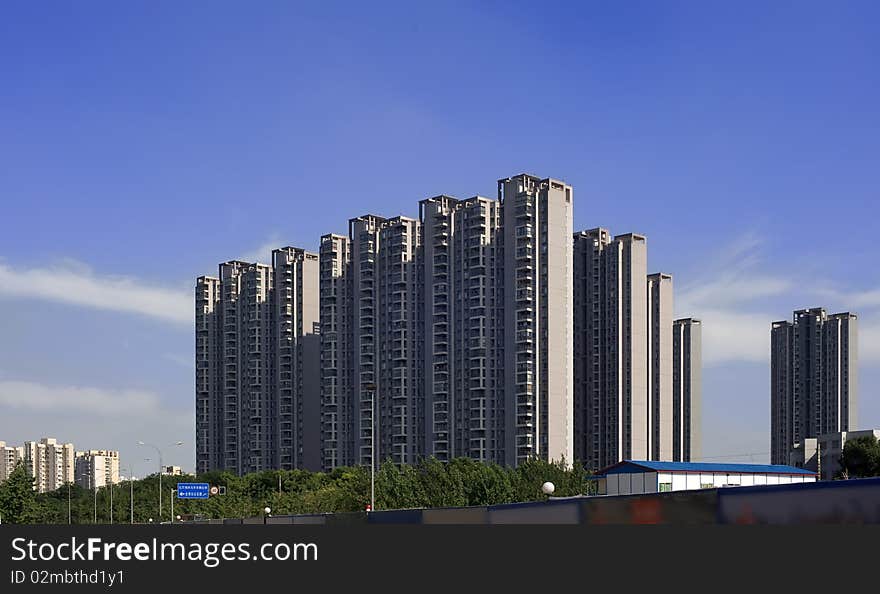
column 372, row 390
column 173, row 491
column 130, row 471
column 266, row 511
column 158, row 451
column 68, row 503
column 548, row 488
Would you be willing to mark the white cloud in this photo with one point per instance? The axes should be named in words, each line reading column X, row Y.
column 111, row 404
column 867, row 299
column 734, row 336
column 74, row 283
column 730, row 303
column 869, row 340
column 855, row 300
column 731, row 289
column 99, row 418
column 734, row 303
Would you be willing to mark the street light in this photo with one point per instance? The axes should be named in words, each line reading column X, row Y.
column 130, row 470
column 266, row 511
column 161, row 464
column 372, row 389
column 548, row 488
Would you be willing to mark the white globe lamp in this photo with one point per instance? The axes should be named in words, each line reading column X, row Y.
column 548, row 488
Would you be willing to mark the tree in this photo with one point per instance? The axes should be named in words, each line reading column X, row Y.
column 17, row 498
column 860, row 458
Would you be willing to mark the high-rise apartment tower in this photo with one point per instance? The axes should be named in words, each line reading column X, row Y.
column 813, row 378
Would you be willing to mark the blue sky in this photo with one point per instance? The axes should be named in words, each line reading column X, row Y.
column 142, row 143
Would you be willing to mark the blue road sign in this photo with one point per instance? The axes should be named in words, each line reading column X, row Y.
column 193, row 490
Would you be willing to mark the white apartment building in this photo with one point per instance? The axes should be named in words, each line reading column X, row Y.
column 50, row 463
column 97, row 468
column 455, row 326
column 9, row 457
column 463, row 328
column 537, row 220
column 636, row 370
column 370, row 354
column 612, row 405
column 258, row 395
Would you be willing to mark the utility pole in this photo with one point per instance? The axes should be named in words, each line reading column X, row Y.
column 131, row 495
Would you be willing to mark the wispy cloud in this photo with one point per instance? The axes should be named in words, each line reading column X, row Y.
column 731, row 301
column 732, row 289
column 855, row 300
column 76, row 284
column 111, row 404
column 738, row 301
column 98, row 418
column 262, row 253
column 734, row 336
column 869, row 339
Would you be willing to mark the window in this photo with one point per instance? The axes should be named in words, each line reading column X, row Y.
column 664, row 487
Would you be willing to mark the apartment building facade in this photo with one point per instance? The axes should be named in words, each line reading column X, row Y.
column 687, row 390
column 478, row 329
column 611, row 326
column 371, row 351
column 625, row 347
column 461, row 347
column 94, row 469
column 10, row 457
column 660, row 355
column 50, row 463
column 463, row 328
column 537, row 220
column 813, row 378
column 257, row 357
column 339, row 422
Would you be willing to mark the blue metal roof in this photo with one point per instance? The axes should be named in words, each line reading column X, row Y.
column 630, row 466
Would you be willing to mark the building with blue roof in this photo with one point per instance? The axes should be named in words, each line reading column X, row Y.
column 631, row 477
